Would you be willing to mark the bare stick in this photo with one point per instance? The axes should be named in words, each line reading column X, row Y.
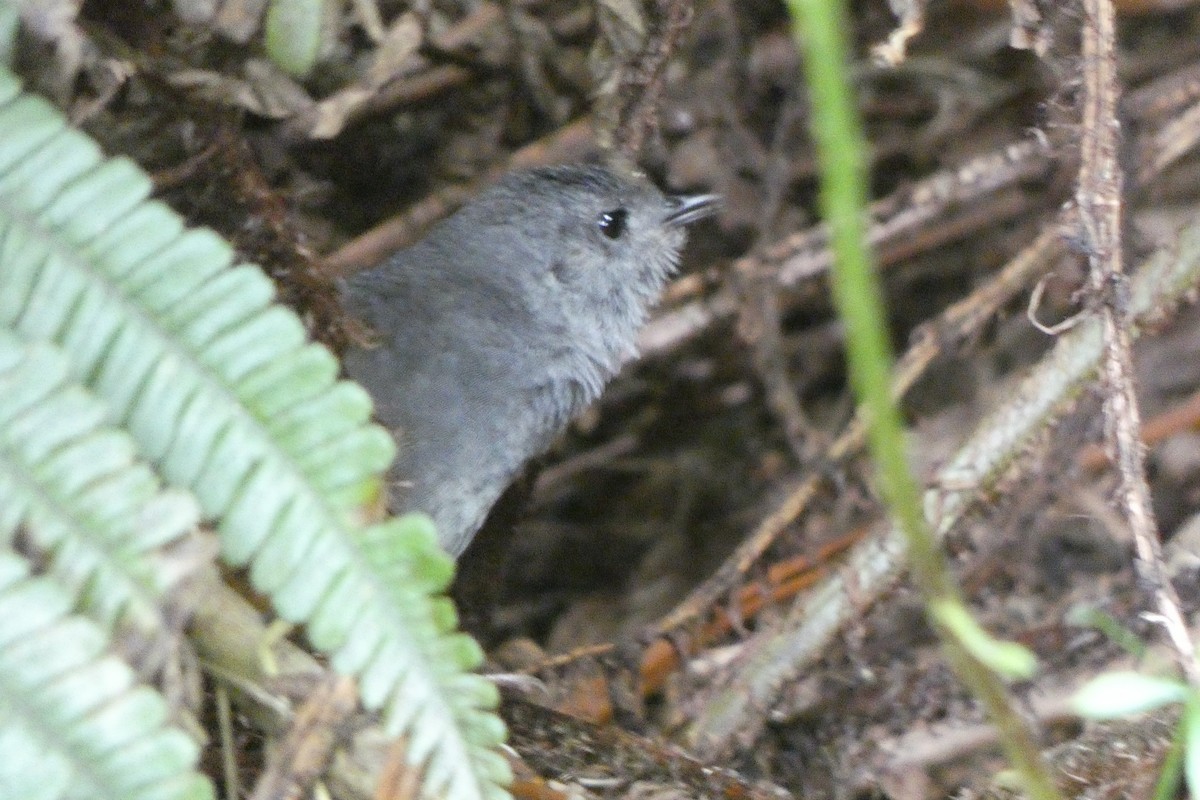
column 1100, row 201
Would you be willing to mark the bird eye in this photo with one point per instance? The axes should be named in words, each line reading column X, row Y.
column 612, row 223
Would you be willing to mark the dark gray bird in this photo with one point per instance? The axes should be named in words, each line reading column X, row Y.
column 503, row 323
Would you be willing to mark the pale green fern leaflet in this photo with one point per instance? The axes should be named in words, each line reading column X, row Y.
column 221, row 392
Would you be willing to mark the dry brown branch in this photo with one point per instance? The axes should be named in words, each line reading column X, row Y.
column 920, row 210
column 305, row 751
column 1100, row 199
column 639, row 84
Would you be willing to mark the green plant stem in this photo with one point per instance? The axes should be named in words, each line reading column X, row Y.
column 1171, row 771
column 841, row 149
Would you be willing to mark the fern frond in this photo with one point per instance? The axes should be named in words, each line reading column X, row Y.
column 75, row 723
column 73, row 487
column 220, row 390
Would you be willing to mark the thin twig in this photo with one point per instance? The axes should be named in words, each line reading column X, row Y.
column 1100, row 201
column 1180, row 417
column 895, row 220
column 642, row 81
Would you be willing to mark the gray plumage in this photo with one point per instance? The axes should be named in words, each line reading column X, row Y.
column 503, row 323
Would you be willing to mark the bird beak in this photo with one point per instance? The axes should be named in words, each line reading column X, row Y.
column 686, row 209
